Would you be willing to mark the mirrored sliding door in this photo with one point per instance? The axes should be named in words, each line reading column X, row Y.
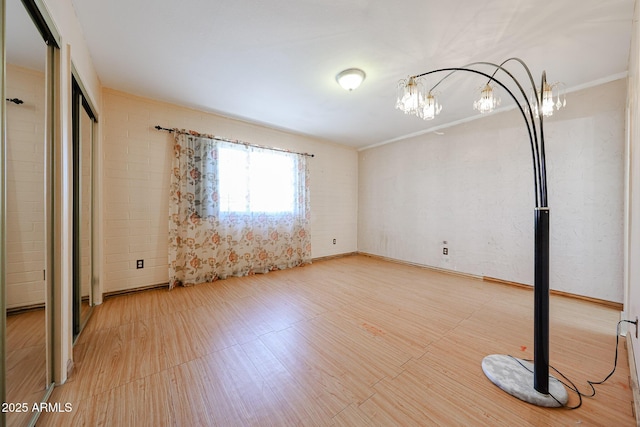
column 26, row 212
column 84, row 277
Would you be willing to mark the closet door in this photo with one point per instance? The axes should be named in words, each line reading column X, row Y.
column 26, row 228
column 83, row 212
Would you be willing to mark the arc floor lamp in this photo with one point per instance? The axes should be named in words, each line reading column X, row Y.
column 529, row 382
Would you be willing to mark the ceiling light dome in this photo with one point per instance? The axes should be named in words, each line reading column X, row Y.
column 350, row 79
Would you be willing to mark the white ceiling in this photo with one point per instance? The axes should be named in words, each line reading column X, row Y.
column 274, row 62
column 24, row 44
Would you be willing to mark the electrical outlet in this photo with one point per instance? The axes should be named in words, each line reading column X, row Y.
column 140, row 263
column 334, row 241
column 445, row 251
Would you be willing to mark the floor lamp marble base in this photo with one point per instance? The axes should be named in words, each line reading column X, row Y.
column 515, row 376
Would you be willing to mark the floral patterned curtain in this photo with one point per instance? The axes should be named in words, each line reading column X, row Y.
column 235, row 210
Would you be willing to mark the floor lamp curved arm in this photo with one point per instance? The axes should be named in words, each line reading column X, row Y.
column 529, row 382
column 526, row 115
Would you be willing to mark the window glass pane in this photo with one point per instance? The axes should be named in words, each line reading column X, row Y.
column 232, row 172
column 271, row 182
column 256, row 181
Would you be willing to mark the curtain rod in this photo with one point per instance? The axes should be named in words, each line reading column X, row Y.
column 233, row 141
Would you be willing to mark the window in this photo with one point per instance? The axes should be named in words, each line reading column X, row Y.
column 255, row 180
column 235, row 210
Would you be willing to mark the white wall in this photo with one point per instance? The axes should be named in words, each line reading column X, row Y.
column 473, row 187
column 137, row 160
column 632, row 302
column 25, row 285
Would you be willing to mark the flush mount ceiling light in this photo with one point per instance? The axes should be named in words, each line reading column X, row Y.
column 350, row 79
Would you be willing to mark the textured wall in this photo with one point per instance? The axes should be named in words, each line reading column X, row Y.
column 136, row 164
column 632, row 303
column 473, row 188
column 25, row 188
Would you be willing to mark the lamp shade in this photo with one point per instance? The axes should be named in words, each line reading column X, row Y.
column 350, row 79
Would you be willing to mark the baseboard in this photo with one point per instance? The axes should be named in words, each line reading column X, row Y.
column 616, row 305
column 336, row 256
column 633, row 379
column 24, row 308
column 121, row 292
column 414, row 264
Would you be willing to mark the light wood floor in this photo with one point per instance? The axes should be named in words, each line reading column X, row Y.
column 352, row 341
column 26, row 359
